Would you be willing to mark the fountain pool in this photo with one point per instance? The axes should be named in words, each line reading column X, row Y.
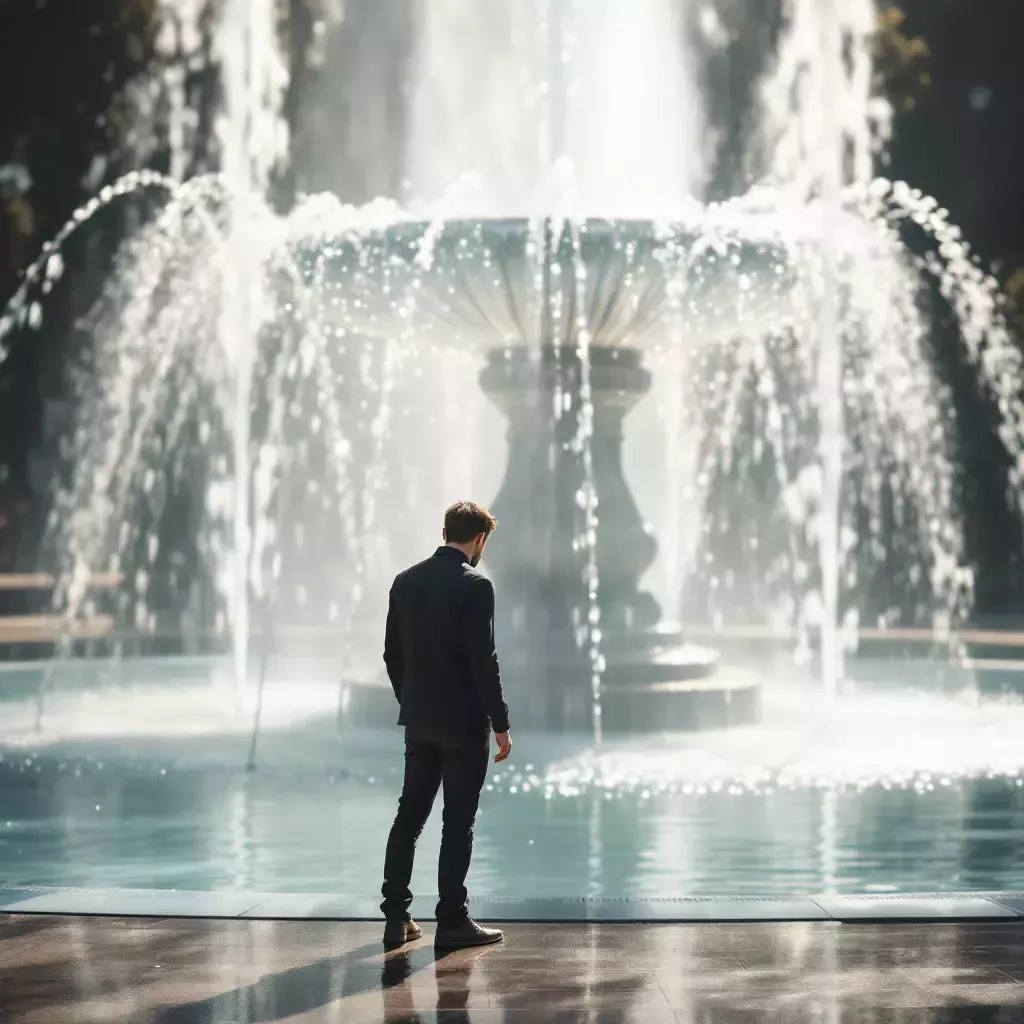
column 139, row 783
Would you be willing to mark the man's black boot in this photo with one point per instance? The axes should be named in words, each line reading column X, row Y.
column 397, row 933
column 466, row 933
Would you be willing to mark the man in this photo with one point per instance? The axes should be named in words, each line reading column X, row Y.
column 440, row 657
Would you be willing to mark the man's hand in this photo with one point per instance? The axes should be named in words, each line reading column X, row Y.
column 504, row 746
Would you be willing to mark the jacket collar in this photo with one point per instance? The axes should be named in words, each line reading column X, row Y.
column 444, row 551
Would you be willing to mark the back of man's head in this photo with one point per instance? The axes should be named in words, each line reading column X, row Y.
column 465, row 521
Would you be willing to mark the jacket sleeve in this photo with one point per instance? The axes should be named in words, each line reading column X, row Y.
column 483, row 658
column 393, row 648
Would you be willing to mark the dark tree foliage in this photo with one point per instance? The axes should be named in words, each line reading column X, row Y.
column 66, row 72
column 64, row 75
column 85, row 100
column 955, row 73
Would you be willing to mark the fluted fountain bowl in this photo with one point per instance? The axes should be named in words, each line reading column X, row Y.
column 483, row 284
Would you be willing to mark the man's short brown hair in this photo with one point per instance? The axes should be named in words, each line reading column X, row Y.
column 465, row 520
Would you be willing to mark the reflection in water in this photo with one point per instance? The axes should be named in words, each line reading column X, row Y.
column 147, row 824
column 827, row 844
column 594, row 847
column 985, row 839
column 241, row 836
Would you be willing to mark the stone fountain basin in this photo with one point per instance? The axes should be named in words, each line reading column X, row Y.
column 492, row 283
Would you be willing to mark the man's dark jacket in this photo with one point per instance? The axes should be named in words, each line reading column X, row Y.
column 439, row 648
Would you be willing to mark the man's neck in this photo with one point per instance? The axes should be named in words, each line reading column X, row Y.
column 464, row 549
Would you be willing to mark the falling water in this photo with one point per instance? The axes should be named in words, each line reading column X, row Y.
column 506, row 91
column 825, row 50
column 178, row 42
column 820, row 126
column 830, row 351
column 253, row 141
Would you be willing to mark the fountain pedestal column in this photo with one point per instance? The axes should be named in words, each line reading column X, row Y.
column 538, row 558
column 538, row 506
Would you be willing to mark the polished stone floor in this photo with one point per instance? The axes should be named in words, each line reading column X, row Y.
column 176, row 971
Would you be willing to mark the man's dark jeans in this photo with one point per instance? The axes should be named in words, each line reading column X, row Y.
column 430, row 760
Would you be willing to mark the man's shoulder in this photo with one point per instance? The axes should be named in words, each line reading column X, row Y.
column 411, row 572
column 475, row 578
column 427, row 567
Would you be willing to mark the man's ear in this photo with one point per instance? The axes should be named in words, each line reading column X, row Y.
column 444, row 535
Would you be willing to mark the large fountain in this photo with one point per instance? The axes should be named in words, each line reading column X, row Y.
column 560, row 308
column 552, row 243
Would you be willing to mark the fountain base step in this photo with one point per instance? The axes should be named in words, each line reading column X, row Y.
column 641, row 706
column 723, row 701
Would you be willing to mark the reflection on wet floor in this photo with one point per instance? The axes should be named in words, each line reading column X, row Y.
column 164, row 971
